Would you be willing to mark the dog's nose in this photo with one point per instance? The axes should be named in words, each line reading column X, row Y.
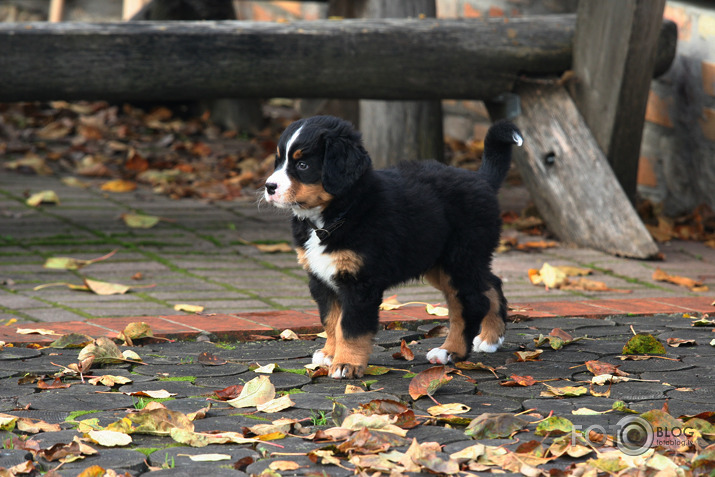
column 271, row 188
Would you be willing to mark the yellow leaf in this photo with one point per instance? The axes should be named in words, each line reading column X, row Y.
column 266, row 369
column 391, row 303
column 44, row 197
column 437, row 310
column 140, row 221
column 206, row 457
column 276, row 405
column 109, row 438
column 35, row 331
column 552, row 277
column 257, row 391
column 189, row 308
column 451, row 408
column 352, row 389
column 283, row 465
column 106, row 288
column 289, row 335
column 283, row 247
column 119, row 185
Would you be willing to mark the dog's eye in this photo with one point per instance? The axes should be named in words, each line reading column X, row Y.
column 301, row 165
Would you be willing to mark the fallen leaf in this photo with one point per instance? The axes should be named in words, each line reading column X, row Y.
column 43, row 197
column 495, row 426
column 283, row 247
column 522, row 356
column 404, row 353
column 72, row 340
column 154, row 394
column 554, row 426
column 119, row 185
column 102, row 350
column 206, row 457
column 109, row 438
column 202, row 439
column 427, row 382
column 601, row 367
column 266, row 369
column 694, row 285
column 677, row 342
column 35, row 331
column 108, row 380
column 189, row 308
column 106, row 288
column 391, row 303
column 289, row 335
column 519, row 381
column 564, row 391
column 140, row 221
column 68, row 263
column 436, row 310
column 258, row 390
column 276, row 404
column 451, row 408
column 643, row 344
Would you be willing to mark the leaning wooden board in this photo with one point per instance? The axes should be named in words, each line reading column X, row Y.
column 570, row 180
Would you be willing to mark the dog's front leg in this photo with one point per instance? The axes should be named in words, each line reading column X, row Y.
column 354, row 333
column 330, row 312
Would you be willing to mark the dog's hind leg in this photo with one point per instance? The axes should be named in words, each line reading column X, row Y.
column 493, row 324
column 456, row 347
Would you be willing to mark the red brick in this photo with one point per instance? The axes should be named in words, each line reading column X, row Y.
column 297, row 321
column 695, row 304
column 681, row 18
column 707, row 123
column 708, row 75
column 646, row 172
column 471, row 12
column 572, row 309
column 658, row 110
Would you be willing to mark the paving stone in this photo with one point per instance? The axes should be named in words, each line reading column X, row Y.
column 635, row 391
column 389, row 338
column 702, row 336
column 649, row 365
column 12, row 457
column 179, row 389
column 306, row 467
column 478, row 404
column 676, row 407
column 539, row 370
column 493, row 388
column 282, row 381
column 700, row 394
column 324, row 402
column 398, row 385
column 268, row 351
column 49, row 416
column 215, row 470
column 64, row 400
column 179, row 456
column 187, row 370
column 442, row 435
column 11, row 353
column 568, row 324
column 119, row 460
column 567, row 355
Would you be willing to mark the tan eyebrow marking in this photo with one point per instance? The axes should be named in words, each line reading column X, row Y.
column 298, row 154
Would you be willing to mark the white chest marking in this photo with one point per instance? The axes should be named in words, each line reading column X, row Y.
column 320, row 263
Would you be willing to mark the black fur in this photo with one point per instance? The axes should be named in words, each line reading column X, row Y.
column 402, row 221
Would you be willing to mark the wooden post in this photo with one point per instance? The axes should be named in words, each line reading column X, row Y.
column 395, row 131
column 613, row 59
column 570, row 180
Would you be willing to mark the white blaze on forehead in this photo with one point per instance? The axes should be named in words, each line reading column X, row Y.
column 280, row 175
column 291, row 141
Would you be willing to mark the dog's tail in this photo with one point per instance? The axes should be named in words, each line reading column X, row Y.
column 497, row 152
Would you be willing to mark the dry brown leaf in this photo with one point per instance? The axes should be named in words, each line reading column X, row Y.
column 694, row 285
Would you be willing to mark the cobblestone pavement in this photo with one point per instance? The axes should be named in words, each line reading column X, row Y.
column 198, row 256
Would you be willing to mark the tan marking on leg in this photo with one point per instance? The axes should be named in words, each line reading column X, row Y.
column 302, row 261
column 308, row 196
column 331, row 321
column 493, row 326
column 347, row 262
column 454, row 343
column 351, row 355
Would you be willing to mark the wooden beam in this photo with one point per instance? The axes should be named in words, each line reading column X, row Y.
column 613, row 60
column 323, row 59
column 570, row 180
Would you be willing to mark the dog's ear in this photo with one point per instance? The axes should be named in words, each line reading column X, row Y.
column 344, row 162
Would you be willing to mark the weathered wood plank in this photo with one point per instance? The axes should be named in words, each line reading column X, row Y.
column 614, row 55
column 569, row 178
column 330, row 58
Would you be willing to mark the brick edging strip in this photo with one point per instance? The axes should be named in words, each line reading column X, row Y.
column 249, row 326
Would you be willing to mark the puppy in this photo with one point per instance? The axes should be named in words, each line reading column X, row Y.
column 359, row 231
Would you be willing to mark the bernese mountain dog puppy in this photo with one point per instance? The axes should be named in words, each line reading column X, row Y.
column 359, row 231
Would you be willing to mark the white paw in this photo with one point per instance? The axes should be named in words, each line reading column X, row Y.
column 438, row 356
column 338, row 374
column 479, row 345
column 320, row 359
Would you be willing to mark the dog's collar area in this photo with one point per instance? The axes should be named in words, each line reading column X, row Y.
column 324, row 232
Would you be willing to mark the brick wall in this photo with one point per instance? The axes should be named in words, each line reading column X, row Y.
column 677, row 164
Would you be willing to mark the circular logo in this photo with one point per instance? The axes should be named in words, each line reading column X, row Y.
column 634, row 435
